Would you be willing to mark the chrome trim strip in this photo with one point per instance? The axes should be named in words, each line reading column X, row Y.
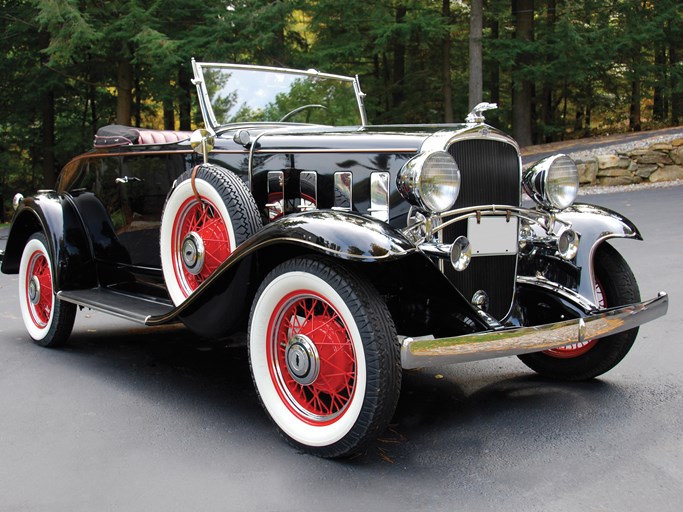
column 500, row 343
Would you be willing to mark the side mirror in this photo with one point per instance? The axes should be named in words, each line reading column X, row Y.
column 202, row 142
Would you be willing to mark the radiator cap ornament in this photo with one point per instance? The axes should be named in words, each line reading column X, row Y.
column 476, row 115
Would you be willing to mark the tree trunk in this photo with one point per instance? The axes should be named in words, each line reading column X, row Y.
column 185, row 99
column 676, row 97
column 47, row 114
column 124, row 88
column 494, row 85
column 659, row 111
column 399, row 61
column 138, row 99
column 634, row 111
column 48, row 142
column 522, row 89
column 93, row 109
column 446, row 64
column 547, row 100
column 476, row 94
column 169, row 114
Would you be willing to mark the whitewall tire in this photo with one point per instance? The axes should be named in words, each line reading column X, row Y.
column 324, row 357
column 48, row 320
column 197, row 236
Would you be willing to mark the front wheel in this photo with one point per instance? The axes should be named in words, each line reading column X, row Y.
column 324, row 357
column 615, row 286
column 48, row 320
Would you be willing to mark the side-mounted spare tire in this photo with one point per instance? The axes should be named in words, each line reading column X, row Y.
column 201, row 225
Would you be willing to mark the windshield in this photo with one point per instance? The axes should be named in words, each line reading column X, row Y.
column 234, row 94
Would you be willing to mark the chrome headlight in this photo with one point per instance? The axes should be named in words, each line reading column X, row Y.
column 552, row 182
column 430, row 181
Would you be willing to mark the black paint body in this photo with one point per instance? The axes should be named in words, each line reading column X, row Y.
column 106, row 234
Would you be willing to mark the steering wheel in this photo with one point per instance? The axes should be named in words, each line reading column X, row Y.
column 299, row 109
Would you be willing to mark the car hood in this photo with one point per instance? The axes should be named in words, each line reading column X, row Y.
column 401, row 138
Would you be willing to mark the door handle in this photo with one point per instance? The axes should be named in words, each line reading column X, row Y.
column 127, row 179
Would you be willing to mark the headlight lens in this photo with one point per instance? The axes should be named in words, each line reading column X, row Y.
column 430, row 181
column 553, row 182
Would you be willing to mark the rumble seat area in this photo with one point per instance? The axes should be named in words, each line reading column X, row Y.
column 117, row 135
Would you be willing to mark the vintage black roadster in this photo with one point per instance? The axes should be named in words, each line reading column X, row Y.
column 345, row 252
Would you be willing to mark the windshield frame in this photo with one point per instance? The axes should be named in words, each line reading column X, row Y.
column 205, row 102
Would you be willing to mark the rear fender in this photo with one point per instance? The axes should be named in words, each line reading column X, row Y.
column 56, row 217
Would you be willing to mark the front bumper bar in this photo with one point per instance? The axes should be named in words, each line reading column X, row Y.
column 419, row 353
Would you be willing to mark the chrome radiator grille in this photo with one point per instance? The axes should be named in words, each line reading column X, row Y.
column 490, row 175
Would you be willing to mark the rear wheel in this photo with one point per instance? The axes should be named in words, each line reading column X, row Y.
column 48, row 320
column 324, row 357
column 615, row 286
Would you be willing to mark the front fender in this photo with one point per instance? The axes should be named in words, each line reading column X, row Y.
column 594, row 224
column 376, row 250
column 343, row 235
column 54, row 215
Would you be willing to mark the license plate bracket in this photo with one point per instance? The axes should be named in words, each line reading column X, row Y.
column 492, row 236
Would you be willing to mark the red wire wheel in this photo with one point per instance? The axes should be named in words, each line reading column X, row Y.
column 205, row 219
column 38, row 289
column 48, row 320
column 202, row 240
column 311, row 357
column 324, row 356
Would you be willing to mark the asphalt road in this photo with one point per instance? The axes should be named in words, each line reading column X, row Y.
column 131, row 419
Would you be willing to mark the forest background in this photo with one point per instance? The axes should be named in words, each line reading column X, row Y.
column 558, row 69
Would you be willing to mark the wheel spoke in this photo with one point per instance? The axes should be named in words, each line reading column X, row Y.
column 206, row 222
column 317, row 320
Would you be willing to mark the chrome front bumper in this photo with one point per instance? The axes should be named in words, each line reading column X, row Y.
column 419, row 353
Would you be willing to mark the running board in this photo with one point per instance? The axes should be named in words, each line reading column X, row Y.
column 130, row 307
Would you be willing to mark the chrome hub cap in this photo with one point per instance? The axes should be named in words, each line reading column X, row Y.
column 303, row 362
column 193, row 253
column 34, row 290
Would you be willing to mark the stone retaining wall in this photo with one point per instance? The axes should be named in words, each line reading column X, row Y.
column 662, row 161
